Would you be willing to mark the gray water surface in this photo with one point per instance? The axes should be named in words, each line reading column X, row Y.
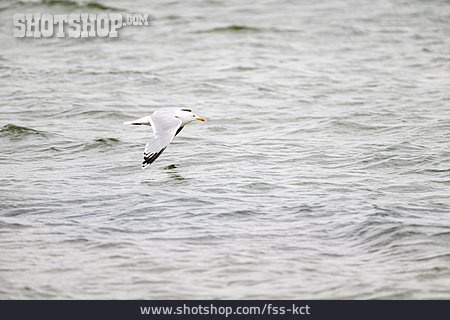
column 323, row 170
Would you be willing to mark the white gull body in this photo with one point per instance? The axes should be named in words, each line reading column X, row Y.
column 166, row 124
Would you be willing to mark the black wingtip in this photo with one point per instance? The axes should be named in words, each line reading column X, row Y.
column 150, row 158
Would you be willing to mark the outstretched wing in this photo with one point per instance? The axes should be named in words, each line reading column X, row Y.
column 165, row 127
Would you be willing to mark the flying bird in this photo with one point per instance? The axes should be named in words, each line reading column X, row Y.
column 166, row 124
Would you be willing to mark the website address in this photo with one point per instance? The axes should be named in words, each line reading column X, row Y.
column 267, row 309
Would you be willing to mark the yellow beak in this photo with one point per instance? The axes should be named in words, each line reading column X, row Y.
column 201, row 119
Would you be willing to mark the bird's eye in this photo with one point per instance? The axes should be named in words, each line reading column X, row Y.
column 193, row 115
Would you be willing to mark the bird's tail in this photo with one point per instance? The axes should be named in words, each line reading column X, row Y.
column 145, row 121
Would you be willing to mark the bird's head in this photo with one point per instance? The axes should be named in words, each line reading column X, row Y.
column 187, row 116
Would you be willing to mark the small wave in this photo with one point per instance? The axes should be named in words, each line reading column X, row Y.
column 352, row 125
column 233, row 28
column 259, row 187
column 238, row 214
column 99, row 6
column 71, row 4
column 78, row 5
column 101, row 143
column 441, row 255
column 236, row 28
column 107, row 140
column 11, row 225
column 172, row 17
column 12, row 130
column 92, row 114
column 5, row 8
column 438, row 170
column 77, row 146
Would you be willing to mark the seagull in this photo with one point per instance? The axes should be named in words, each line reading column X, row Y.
column 166, row 124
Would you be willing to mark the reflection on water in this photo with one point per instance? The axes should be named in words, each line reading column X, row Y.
column 174, row 173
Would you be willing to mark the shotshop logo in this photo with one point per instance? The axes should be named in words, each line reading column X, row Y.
column 74, row 25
